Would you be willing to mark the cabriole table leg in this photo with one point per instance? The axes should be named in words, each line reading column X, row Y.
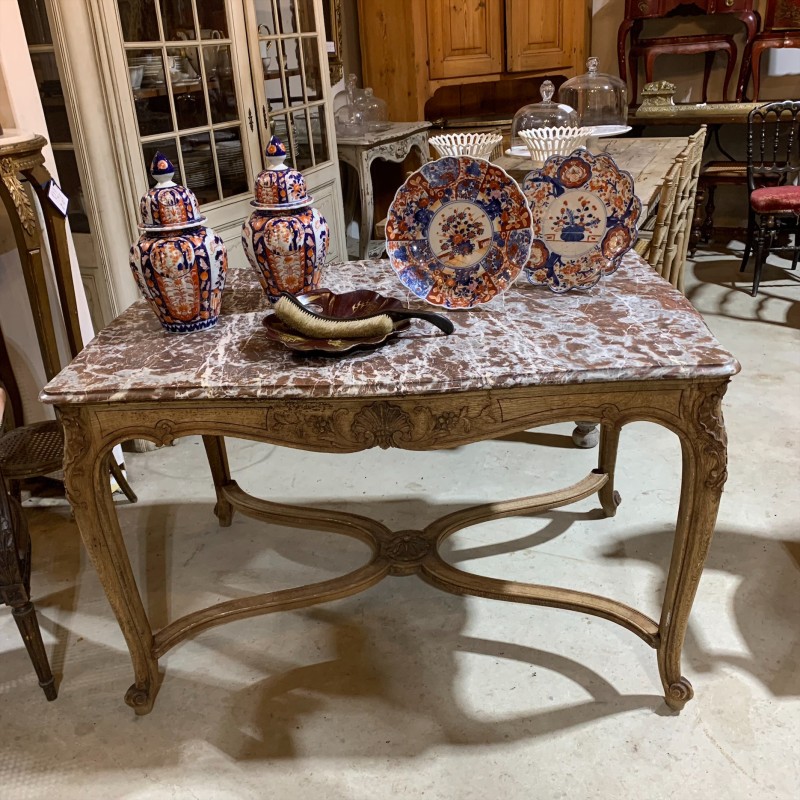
column 704, row 449
column 89, row 494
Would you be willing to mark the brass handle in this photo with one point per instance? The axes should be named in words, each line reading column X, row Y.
column 729, row 3
column 644, row 6
column 250, row 118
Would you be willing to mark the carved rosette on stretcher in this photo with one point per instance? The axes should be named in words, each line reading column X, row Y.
column 285, row 239
column 178, row 262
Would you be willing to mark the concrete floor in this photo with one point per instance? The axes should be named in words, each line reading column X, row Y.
column 404, row 691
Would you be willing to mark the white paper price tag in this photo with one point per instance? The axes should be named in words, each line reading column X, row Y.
column 58, row 198
column 330, row 47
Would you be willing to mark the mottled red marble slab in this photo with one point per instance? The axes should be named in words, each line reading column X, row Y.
column 632, row 326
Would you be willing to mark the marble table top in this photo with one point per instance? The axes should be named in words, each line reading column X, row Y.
column 632, row 326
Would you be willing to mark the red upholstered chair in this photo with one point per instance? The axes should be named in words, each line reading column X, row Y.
column 773, row 157
column 781, row 29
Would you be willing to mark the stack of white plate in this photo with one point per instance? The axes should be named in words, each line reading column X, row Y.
column 152, row 68
column 229, row 158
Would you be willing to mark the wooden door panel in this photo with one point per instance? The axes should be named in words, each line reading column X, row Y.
column 465, row 37
column 543, row 35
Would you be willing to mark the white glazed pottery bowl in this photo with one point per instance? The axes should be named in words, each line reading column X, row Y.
column 545, row 142
column 477, row 145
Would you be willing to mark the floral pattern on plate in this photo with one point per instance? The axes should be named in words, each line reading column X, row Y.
column 584, row 214
column 458, row 232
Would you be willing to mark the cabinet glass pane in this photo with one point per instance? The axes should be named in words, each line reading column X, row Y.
column 52, row 96
column 138, row 20
column 70, row 180
column 319, row 134
column 265, row 17
column 303, row 157
column 198, row 164
column 273, row 89
column 288, row 16
column 313, row 71
column 294, row 76
column 150, row 98
column 213, row 19
column 177, row 16
column 280, row 128
column 169, row 149
column 35, row 22
column 230, row 159
column 221, row 89
column 187, row 87
column 305, row 14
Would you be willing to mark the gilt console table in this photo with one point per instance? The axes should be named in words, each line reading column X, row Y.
column 360, row 150
column 632, row 348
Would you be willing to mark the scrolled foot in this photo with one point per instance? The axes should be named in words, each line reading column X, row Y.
column 678, row 694
column 586, row 435
column 223, row 511
column 139, row 698
column 610, row 504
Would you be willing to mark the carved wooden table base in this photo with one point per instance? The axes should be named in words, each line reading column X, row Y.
column 690, row 408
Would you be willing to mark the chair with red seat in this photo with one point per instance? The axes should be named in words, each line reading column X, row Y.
column 773, row 157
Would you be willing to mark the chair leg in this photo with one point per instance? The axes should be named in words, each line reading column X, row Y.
column 119, row 477
column 756, row 68
column 707, row 228
column 763, row 242
column 634, row 60
column 796, row 253
column 728, row 74
column 707, row 73
column 25, row 617
column 748, row 245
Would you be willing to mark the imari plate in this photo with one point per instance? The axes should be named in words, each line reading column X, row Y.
column 458, row 232
column 584, row 214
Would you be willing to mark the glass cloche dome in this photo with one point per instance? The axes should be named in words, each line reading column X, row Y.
column 546, row 114
column 601, row 100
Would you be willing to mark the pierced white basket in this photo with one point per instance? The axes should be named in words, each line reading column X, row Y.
column 545, row 142
column 477, row 145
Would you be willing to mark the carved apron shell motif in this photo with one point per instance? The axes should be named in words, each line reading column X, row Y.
column 286, row 251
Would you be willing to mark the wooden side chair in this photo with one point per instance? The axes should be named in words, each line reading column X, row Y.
column 781, row 29
column 773, row 158
column 680, row 225
column 15, row 578
column 708, row 44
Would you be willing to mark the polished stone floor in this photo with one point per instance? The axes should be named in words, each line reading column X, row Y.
column 406, row 692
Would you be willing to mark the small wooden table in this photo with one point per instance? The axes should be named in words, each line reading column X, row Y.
column 632, row 348
column 648, row 161
column 393, row 144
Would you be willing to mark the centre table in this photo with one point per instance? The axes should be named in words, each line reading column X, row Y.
column 632, row 348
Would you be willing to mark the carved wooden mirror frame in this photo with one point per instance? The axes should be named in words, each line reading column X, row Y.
column 332, row 13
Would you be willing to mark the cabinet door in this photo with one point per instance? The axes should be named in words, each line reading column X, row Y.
column 290, row 75
column 544, row 35
column 465, row 37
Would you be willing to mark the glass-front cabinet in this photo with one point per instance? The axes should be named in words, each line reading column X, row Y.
column 208, row 81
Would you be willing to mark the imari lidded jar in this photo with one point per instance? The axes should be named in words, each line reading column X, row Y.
column 178, row 262
column 285, row 239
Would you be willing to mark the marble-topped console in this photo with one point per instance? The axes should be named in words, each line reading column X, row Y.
column 630, row 349
column 631, row 326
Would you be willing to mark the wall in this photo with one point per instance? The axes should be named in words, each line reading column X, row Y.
column 20, row 108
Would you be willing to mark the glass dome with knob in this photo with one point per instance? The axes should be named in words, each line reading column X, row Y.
column 600, row 100
column 546, row 114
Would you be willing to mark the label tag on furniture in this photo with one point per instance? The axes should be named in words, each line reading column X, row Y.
column 57, row 197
